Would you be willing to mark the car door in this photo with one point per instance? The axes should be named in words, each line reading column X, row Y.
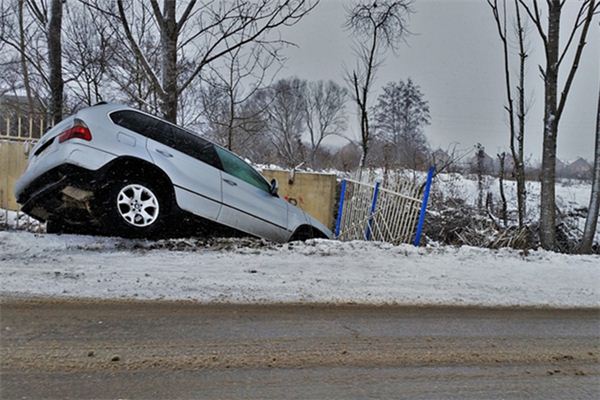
column 197, row 185
column 248, row 204
column 190, row 161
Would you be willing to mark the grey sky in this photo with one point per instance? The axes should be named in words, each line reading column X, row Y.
column 455, row 56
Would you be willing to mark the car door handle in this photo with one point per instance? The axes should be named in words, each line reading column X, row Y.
column 232, row 183
column 164, row 153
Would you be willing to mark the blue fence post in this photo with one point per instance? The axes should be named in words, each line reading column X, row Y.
column 338, row 219
column 424, row 207
column 372, row 212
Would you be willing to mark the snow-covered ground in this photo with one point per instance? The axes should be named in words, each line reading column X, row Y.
column 571, row 194
column 252, row 271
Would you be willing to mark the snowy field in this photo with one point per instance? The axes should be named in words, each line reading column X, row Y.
column 253, row 271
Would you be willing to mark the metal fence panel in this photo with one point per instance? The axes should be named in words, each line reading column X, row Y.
column 384, row 210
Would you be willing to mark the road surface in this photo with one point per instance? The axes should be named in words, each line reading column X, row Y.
column 86, row 349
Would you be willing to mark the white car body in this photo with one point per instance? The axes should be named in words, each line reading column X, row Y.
column 207, row 180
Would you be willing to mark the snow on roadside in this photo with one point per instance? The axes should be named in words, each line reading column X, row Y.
column 316, row 272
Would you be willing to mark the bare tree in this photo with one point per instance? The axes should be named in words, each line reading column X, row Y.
column 229, row 90
column 377, row 26
column 517, row 133
column 87, row 46
column 284, row 104
column 204, row 32
column 24, row 57
column 128, row 79
column 554, row 103
column 591, row 221
column 324, row 113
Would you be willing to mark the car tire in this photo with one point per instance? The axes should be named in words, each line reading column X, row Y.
column 136, row 208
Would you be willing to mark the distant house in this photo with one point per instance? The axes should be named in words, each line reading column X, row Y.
column 17, row 105
column 578, row 169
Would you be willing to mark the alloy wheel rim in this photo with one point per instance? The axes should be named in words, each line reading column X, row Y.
column 137, row 205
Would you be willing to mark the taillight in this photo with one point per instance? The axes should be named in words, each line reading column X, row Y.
column 79, row 130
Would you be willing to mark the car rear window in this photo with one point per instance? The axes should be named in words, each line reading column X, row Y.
column 169, row 135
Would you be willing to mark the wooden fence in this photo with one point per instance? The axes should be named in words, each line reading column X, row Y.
column 13, row 161
column 17, row 137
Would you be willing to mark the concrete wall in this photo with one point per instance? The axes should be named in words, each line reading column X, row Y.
column 314, row 193
column 13, row 161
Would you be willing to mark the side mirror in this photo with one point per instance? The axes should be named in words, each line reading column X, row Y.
column 274, row 187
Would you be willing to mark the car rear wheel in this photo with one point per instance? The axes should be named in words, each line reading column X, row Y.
column 136, row 208
column 138, row 205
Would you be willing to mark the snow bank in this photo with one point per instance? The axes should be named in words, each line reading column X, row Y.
column 318, row 272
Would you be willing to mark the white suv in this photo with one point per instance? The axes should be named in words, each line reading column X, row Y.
column 116, row 170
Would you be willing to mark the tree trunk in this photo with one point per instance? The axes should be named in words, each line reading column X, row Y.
column 365, row 136
column 519, row 161
column 231, row 117
column 548, row 201
column 504, row 214
column 55, row 61
column 24, row 68
column 168, row 37
column 516, row 137
column 480, row 159
column 591, row 222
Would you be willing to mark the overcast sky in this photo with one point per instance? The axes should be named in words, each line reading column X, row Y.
column 455, row 56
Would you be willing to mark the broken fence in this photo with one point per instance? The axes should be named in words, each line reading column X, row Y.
column 393, row 214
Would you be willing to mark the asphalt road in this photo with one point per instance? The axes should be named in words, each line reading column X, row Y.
column 78, row 350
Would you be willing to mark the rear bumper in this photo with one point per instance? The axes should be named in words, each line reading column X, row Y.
column 45, row 196
column 55, row 157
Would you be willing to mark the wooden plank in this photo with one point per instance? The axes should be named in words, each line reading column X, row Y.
column 13, row 162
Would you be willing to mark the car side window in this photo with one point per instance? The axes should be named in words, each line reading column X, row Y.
column 136, row 122
column 169, row 135
column 237, row 167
